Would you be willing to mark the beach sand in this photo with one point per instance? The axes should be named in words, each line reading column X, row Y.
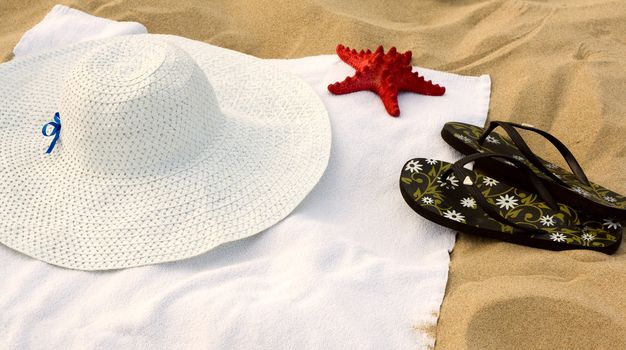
column 559, row 65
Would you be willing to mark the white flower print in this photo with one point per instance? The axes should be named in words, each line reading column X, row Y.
column 557, row 237
column 518, row 157
column 451, row 182
column 507, row 202
column 463, row 138
column 588, row 237
column 582, row 191
column 427, row 200
column 413, row 166
column 547, row 220
column 611, row 223
column 489, row 181
column 492, row 139
column 453, row 215
column 468, row 202
column 509, row 163
column 610, row 199
column 431, row 161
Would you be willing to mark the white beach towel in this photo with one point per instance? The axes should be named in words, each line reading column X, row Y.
column 64, row 26
column 353, row 267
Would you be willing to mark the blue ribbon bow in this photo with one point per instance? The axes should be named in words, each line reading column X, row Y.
column 56, row 131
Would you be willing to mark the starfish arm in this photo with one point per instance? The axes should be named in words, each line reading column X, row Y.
column 401, row 59
column 389, row 96
column 415, row 83
column 356, row 60
column 350, row 84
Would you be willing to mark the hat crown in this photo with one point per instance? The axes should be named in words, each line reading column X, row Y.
column 137, row 106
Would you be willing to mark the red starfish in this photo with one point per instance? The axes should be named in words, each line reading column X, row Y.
column 384, row 74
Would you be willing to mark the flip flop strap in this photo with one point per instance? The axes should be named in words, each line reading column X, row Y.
column 463, row 173
column 518, row 140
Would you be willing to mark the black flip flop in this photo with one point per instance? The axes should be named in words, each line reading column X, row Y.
column 470, row 202
column 571, row 187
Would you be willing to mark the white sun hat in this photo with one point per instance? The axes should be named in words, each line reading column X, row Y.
column 167, row 147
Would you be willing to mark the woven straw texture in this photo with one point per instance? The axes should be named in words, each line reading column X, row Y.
column 168, row 148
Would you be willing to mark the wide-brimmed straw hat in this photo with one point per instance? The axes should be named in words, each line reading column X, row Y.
column 160, row 148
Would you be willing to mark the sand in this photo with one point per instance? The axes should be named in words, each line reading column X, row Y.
column 559, row 65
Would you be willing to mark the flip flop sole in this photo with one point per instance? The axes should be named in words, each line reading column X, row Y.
column 596, row 199
column 448, row 203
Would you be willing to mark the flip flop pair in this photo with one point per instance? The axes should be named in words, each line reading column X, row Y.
column 520, row 204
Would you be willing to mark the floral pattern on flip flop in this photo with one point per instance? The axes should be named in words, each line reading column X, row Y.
column 450, row 199
column 497, row 143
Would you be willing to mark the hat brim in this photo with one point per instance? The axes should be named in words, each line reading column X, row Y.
column 272, row 149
